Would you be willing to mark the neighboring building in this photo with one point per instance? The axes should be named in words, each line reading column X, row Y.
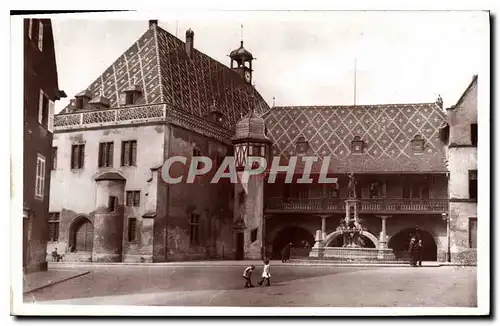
column 40, row 91
column 460, row 133
column 163, row 98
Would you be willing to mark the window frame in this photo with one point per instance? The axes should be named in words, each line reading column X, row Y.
column 194, row 229
column 472, row 220
column 40, row 36
column 107, row 150
column 473, row 180
column 54, row 222
column 54, row 158
column 44, row 107
column 77, row 161
column 132, row 229
column 128, row 156
column 473, row 134
column 30, row 28
column 135, row 201
column 40, row 176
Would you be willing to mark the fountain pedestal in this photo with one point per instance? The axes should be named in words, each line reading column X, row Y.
column 353, row 249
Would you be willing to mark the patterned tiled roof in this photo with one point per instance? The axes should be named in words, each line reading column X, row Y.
column 387, row 131
column 159, row 64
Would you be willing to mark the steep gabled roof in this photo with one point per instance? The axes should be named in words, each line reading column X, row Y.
column 158, row 63
column 387, row 131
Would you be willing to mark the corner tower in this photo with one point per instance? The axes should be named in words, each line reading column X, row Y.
column 250, row 140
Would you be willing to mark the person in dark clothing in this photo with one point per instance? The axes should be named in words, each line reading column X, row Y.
column 420, row 252
column 413, row 251
column 285, row 253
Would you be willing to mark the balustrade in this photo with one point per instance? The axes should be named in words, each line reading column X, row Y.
column 366, row 205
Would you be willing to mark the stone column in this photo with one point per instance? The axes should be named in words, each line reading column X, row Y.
column 323, row 227
column 383, row 233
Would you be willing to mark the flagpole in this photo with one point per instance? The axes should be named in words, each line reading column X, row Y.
column 354, row 81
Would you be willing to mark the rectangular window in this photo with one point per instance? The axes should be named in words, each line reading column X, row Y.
column 43, row 109
column 111, row 203
column 129, row 153
column 40, row 176
column 54, row 226
column 133, row 198
column 253, row 235
column 77, row 156
column 30, row 28
column 473, row 232
column 54, row 158
column 132, row 229
column 105, row 154
column 473, row 184
column 194, row 228
column 473, row 134
column 40, row 35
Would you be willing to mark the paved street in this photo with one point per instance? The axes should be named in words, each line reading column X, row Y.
column 213, row 285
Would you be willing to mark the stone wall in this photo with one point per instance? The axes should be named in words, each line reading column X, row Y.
column 462, row 157
column 212, row 203
column 73, row 191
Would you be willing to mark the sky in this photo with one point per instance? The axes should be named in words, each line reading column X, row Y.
column 303, row 58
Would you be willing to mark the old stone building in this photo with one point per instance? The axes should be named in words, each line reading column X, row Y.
column 164, row 98
column 460, row 134
column 41, row 90
column 161, row 98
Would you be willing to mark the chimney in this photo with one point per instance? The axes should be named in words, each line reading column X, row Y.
column 189, row 42
column 153, row 23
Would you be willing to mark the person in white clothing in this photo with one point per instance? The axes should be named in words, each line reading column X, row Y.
column 266, row 274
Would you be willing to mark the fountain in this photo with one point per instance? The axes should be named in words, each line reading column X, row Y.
column 352, row 230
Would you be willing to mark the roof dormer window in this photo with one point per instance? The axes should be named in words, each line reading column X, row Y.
column 82, row 100
column 302, row 145
column 417, row 144
column 130, row 95
column 357, row 145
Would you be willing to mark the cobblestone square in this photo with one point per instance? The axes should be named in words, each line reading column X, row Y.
column 291, row 286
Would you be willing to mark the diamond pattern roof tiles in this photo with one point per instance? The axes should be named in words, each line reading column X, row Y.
column 387, row 131
column 158, row 63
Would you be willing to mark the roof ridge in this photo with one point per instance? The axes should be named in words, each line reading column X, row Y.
column 349, row 106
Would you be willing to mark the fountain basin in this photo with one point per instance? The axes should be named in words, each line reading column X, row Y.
column 352, row 253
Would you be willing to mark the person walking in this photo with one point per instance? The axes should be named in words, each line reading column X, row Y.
column 420, row 252
column 413, row 251
column 285, row 253
column 266, row 274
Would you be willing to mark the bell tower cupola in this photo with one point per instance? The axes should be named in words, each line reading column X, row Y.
column 241, row 62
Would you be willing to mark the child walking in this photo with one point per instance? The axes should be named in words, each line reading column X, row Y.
column 266, row 274
column 247, row 275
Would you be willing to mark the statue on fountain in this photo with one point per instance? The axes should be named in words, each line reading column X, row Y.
column 352, row 186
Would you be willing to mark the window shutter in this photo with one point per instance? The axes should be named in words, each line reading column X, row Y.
column 50, row 125
column 40, row 36
column 30, row 28
column 40, row 107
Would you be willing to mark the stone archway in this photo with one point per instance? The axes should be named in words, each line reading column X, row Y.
column 332, row 236
column 300, row 237
column 399, row 242
column 81, row 235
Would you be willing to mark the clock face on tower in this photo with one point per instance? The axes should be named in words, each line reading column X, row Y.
column 248, row 76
